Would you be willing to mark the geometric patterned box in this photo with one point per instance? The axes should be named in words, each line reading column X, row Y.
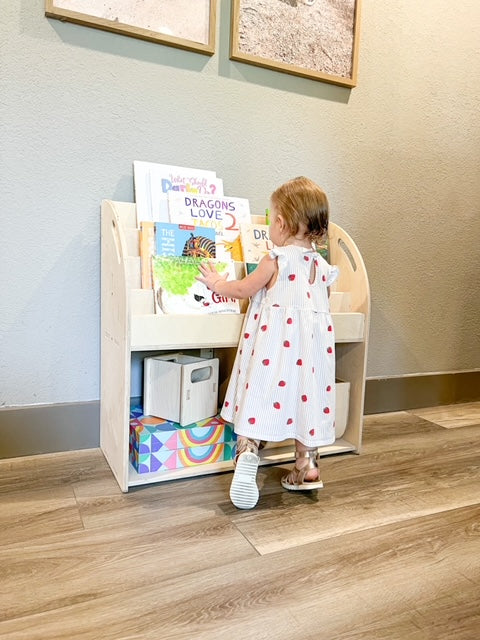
column 156, row 444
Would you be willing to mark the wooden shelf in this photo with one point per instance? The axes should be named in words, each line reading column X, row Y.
column 149, row 332
column 278, row 455
column 129, row 324
column 185, row 332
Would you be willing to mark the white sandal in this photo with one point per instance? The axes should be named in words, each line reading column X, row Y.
column 243, row 490
column 296, row 480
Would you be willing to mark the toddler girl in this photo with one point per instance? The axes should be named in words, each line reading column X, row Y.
column 282, row 384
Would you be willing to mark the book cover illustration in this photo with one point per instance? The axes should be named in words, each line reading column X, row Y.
column 223, row 213
column 256, row 243
column 324, row 250
column 152, row 183
column 176, row 289
column 184, row 240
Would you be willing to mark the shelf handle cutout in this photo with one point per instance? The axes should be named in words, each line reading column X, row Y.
column 348, row 253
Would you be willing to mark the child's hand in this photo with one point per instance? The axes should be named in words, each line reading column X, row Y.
column 209, row 275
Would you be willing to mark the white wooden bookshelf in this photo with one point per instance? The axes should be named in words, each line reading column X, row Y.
column 129, row 324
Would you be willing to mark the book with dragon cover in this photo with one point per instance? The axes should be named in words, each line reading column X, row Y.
column 256, row 243
column 222, row 213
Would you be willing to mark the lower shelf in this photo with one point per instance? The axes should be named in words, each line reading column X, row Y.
column 275, row 455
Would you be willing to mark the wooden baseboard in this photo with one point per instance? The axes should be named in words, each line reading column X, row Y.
column 37, row 429
column 383, row 395
column 26, row 431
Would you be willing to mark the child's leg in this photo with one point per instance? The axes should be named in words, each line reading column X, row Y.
column 305, row 474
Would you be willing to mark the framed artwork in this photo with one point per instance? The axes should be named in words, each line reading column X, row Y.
column 315, row 39
column 185, row 24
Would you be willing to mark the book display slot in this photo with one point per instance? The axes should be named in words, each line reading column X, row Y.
column 129, row 325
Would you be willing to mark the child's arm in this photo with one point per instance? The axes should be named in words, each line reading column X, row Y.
column 241, row 289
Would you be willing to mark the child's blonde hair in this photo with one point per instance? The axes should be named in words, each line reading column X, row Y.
column 301, row 202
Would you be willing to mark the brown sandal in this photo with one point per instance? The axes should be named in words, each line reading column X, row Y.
column 296, row 479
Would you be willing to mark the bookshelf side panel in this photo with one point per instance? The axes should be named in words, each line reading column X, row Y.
column 115, row 346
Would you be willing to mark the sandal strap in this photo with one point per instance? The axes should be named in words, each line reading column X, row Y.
column 246, row 444
column 312, row 454
column 296, row 475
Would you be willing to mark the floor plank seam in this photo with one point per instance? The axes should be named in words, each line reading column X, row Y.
column 375, row 527
column 250, row 543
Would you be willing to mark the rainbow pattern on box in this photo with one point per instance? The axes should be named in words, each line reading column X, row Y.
column 156, row 444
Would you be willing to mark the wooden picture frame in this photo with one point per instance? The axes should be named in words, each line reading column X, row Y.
column 315, row 39
column 184, row 24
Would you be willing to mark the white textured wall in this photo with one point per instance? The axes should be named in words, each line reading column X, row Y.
column 398, row 155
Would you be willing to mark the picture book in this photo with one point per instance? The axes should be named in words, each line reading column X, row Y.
column 153, row 181
column 176, row 289
column 223, row 213
column 323, row 250
column 147, row 250
column 184, row 240
column 256, row 243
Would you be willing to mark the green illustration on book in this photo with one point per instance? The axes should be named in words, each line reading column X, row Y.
column 324, row 250
column 177, row 290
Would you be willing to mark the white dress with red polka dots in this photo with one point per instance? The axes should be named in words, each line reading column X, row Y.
column 282, row 383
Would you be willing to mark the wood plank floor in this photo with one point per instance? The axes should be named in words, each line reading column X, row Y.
column 388, row 550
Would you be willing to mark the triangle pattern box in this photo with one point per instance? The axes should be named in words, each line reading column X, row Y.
column 156, row 444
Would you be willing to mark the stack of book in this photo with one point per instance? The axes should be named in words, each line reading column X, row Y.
column 184, row 218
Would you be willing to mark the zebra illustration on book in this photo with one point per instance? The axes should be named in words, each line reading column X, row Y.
column 199, row 247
